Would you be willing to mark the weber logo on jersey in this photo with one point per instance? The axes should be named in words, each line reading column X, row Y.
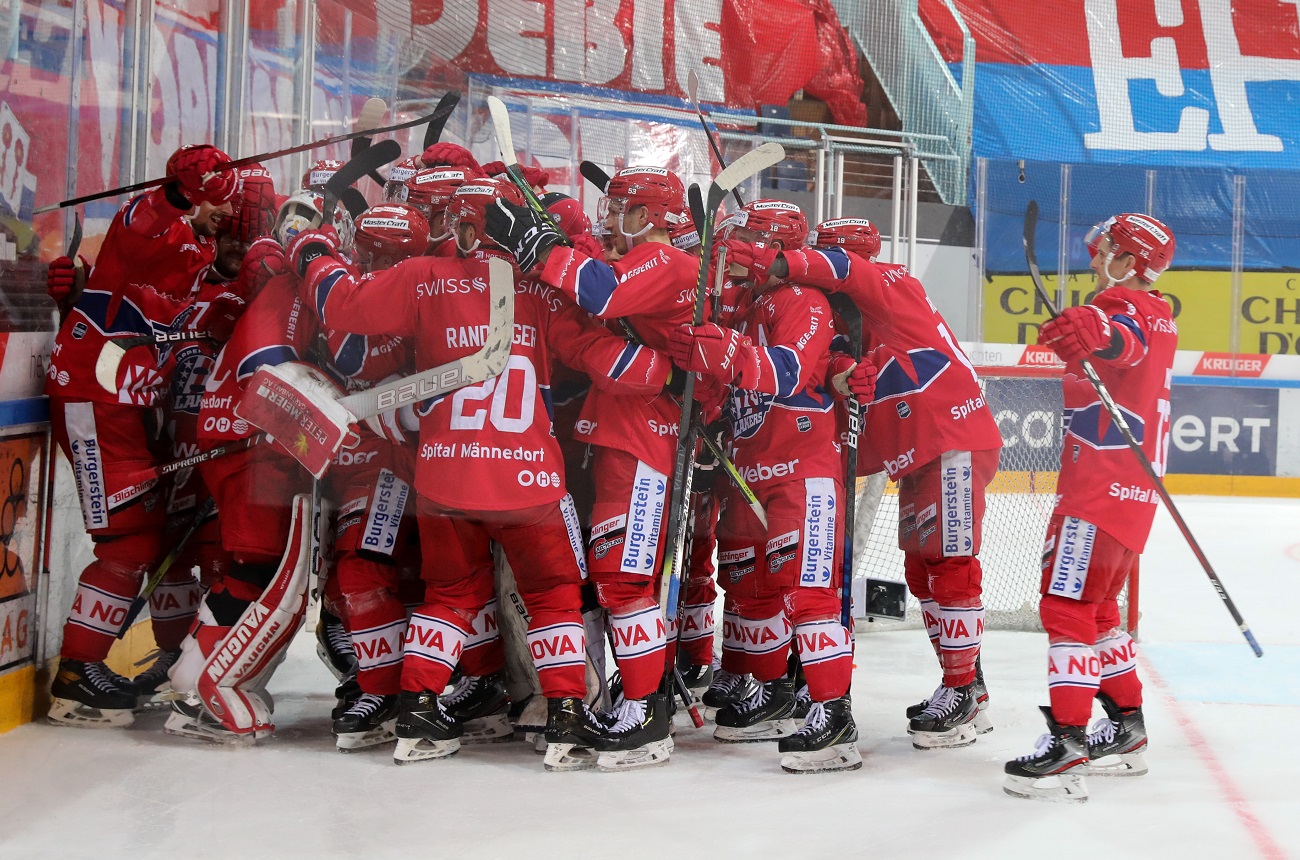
column 1069, row 572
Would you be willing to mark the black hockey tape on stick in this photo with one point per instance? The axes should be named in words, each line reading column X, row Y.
column 852, row 319
column 595, row 174
column 242, row 162
column 447, row 104
column 695, row 198
column 1031, row 258
column 364, row 163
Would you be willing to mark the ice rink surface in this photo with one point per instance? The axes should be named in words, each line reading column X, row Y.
column 1222, row 784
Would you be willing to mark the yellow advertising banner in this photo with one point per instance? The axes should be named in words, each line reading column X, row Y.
column 1268, row 318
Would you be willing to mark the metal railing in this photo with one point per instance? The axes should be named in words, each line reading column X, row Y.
column 930, row 101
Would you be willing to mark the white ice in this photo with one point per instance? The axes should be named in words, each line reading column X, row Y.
column 1222, row 757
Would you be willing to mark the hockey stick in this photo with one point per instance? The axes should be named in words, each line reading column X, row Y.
column 695, row 198
column 442, row 113
column 594, row 174
column 241, row 162
column 375, row 107
column 200, row 516
column 684, row 461
column 737, row 479
column 506, row 143
column 852, row 318
column 1031, row 258
column 363, row 164
column 145, row 479
column 692, row 87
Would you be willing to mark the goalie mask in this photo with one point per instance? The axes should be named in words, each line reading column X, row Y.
column 852, row 234
column 657, row 189
column 468, row 207
column 389, row 233
column 770, row 220
column 1149, row 241
column 316, row 177
column 302, row 211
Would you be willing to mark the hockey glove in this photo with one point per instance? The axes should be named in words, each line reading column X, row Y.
column 711, row 350
column 64, row 280
column 1077, row 333
column 756, row 258
column 311, row 244
column 255, row 206
column 444, row 154
column 195, row 167
column 856, row 380
column 224, row 311
column 264, row 260
column 586, row 244
column 522, row 232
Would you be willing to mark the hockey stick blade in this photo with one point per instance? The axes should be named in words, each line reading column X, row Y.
column 595, row 174
column 1116, row 416
column 434, row 116
column 447, row 104
column 695, row 199
column 751, row 163
column 372, row 114
column 506, row 143
column 74, row 244
column 384, row 152
column 692, row 88
column 354, row 201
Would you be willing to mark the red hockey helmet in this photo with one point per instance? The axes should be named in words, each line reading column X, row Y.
column 852, row 234
column 320, row 173
column 430, row 188
column 684, row 236
column 1149, row 241
column 772, row 219
column 567, row 213
column 469, row 206
column 655, row 188
column 389, row 233
column 395, row 186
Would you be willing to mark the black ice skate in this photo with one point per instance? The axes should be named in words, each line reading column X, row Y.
column 370, row 721
column 1118, row 741
column 334, row 646
column 727, row 687
column 697, row 678
column 189, row 719
column 89, row 696
column 802, row 703
column 983, row 725
column 638, row 735
column 347, row 692
column 481, row 705
column 571, row 734
column 424, row 729
column 152, row 687
column 1055, row 769
column 828, row 740
column 948, row 721
column 768, row 715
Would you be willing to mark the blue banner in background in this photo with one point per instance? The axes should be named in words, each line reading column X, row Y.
column 1221, row 430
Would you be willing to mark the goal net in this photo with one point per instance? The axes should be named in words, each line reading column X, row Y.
column 1026, row 402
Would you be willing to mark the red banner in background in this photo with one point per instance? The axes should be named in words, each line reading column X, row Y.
column 746, row 53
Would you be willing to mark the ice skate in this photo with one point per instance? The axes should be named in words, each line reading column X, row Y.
column 638, row 737
column 1118, row 741
column 334, row 646
column 727, row 687
column 1055, row 769
column 828, row 740
column 369, row 722
column 87, row 696
column 697, row 678
column 347, row 692
column 802, row 703
column 983, row 725
column 424, row 729
column 571, row 733
column 481, row 705
column 152, row 687
column 948, row 721
column 189, row 719
column 767, row 715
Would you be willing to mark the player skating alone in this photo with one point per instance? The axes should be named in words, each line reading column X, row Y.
column 1103, row 512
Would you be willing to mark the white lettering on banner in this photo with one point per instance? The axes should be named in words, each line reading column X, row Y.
column 1070, row 563
column 1229, row 71
column 1189, row 433
column 16, row 640
column 1037, row 430
column 645, row 514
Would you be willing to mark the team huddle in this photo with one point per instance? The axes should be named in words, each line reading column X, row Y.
column 481, row 547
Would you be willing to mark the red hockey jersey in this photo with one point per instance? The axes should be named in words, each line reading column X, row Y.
column 928, row 399
column 645, row 294
column 152, row 263
column 789, row 433
column 1101, row 481
column 488, row 446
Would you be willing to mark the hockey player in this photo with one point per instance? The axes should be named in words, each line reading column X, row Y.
column 489, row 469
column 1103, row 514
column 249, row 616
column 646, row 294
column 783, row 580
column 157, row 251
column 931, row 430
